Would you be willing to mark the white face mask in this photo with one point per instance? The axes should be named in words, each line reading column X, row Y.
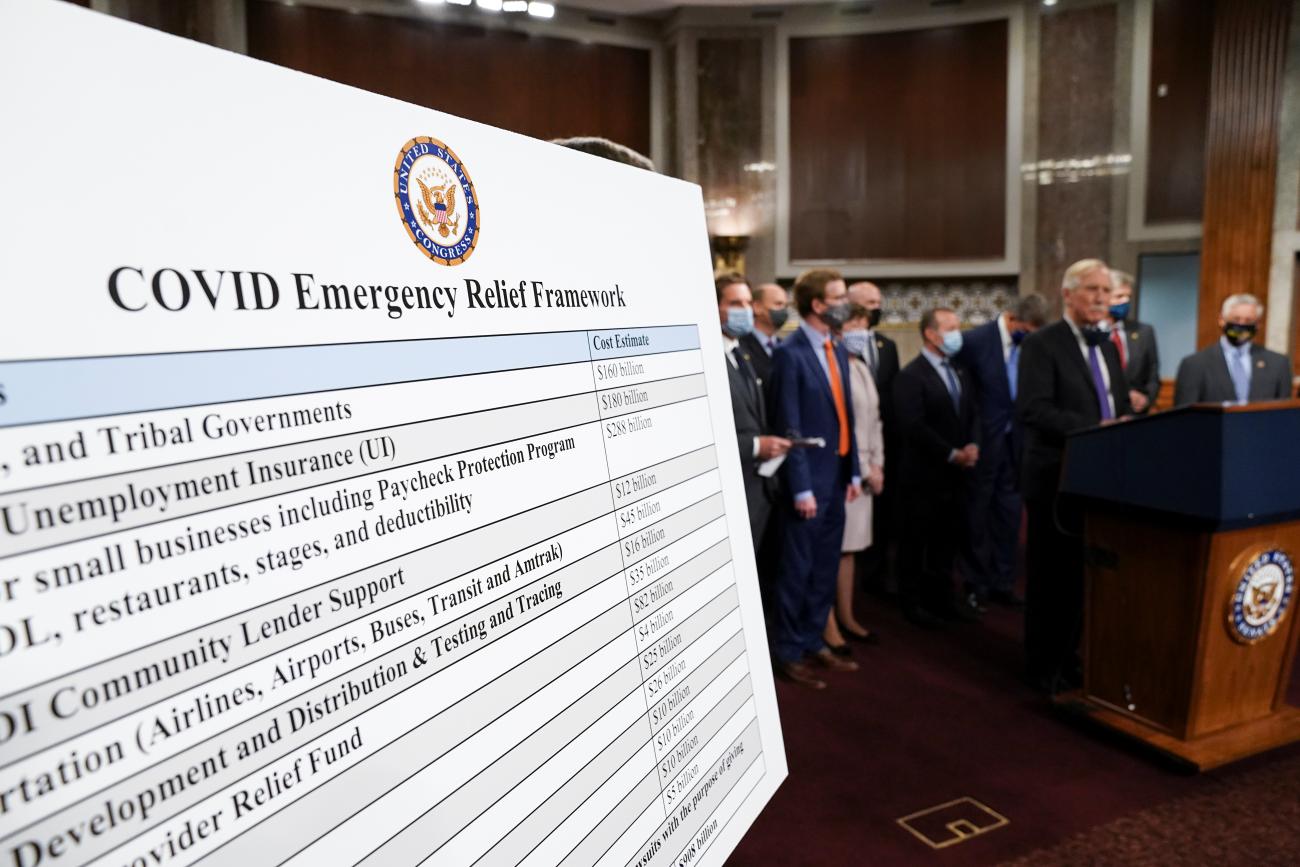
column 855, row 342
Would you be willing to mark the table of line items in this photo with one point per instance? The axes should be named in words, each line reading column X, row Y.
column 452, row 601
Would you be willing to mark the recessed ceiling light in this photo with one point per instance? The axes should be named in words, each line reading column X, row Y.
column 541, row 10
column 1049, row 2
column 460, row 2
column 515, row 6
column 490, row 5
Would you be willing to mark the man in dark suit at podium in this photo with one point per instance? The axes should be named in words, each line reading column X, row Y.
column 1136, row 343
column 938, row 430
column 748, row 407
column 811, row 399
column 991, row 355
column 1070, row 379
column 1234, row 369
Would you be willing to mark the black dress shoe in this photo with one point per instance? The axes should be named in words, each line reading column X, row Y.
column 1007, row 598
column 975, row 602
column 868, row 637
column 841, row 650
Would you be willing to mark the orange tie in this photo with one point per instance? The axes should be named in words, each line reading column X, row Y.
column 837, row 391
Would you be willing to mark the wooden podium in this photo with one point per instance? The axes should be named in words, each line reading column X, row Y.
column 1192, row 530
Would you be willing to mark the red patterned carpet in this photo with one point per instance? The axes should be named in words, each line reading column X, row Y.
column 934, row 717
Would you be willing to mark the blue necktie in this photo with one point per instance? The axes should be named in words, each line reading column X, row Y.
column 1240, row 377
column 1098, row 383
column 954, row 390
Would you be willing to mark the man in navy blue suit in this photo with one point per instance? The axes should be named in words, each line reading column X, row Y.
column 811, row 400
column 991, row 355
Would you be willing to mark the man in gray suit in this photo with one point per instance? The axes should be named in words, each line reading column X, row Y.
column 736, row 315
column 1233, row 369
column 1136, row 343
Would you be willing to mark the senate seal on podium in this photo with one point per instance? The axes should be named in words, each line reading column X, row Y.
column 1262, row 597
column 436, row 200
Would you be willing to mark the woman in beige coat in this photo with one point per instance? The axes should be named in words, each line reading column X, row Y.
column 871, row 456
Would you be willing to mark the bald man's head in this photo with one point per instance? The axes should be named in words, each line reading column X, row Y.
column 771, row 305
column 868, row 295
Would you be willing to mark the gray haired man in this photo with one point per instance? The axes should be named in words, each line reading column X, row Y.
column 1234, row 369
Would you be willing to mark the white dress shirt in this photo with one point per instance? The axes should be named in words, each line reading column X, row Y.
column 1242, row 352
column 1005, row 333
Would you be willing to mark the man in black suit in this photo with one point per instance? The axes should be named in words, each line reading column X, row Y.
column 1070, row 379
column 877, row 562
column 771, row 310
column 748, row 406
column 935, row 413
column 991, row 355
column 1234, row 369
column 1136, row 344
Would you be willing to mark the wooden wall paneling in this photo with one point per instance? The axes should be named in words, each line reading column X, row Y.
column 193, row 19
column 898, row 144
column 539, row 86
column 1249, row 48
column 1181, row 37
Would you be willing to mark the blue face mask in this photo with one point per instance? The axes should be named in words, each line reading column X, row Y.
column 1119, row 312
column 1018, row 336
column 740, row 321
column 952, row 342
column 855, row 342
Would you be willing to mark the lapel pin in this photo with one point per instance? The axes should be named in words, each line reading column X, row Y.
column 1259, row 364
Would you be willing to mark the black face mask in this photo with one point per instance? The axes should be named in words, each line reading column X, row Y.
column 1094, row 336
column 1239, row 335
column 873, row 317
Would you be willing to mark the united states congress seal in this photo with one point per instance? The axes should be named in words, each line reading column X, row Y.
column 436, row 200
column 1262, row 597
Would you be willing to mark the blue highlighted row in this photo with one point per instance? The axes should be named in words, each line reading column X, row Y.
column 61, row 389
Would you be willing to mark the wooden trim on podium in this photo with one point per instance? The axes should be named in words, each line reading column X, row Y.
column 1203, row 754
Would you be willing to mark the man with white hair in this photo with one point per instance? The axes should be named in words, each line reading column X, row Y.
column 1234, row 369
column 1070, row 378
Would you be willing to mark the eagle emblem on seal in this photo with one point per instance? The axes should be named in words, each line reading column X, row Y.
column 438, row 208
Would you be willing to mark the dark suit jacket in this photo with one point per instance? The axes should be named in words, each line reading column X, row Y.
column 886, row 375
column 750, row 413
column 1143, row 368
column 1203, row 376
column 802, row 405
column 1055, row 397
column 758, row 358
column 930, row 427
column 981, row 356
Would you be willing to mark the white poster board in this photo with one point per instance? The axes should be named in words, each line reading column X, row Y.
column 315, row 549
